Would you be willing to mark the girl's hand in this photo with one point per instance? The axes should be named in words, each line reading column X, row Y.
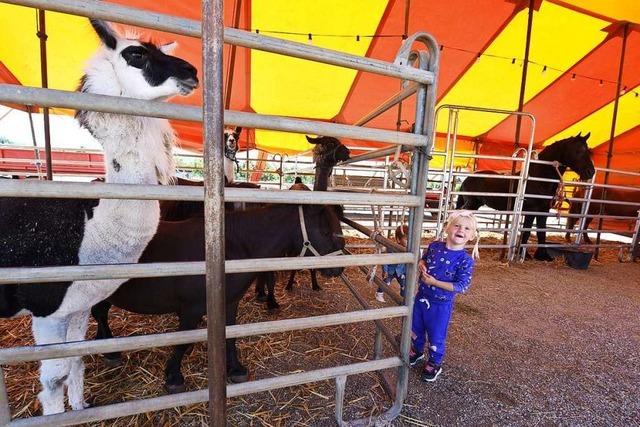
column 422, row 267
column 428, row 279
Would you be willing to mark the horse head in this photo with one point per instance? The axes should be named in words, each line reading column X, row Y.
column 328, row 151
column 324, row 233
column 574, row 153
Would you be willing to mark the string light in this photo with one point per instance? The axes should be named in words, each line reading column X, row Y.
column 441, row 47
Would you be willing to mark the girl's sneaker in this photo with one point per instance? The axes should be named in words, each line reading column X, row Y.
column 380, row 296
column 414, row 357
column 431, row 371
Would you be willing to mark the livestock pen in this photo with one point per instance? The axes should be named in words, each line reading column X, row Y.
column 212, row 116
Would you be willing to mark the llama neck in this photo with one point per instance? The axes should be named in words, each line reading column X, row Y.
column 137, row 150
column 321, row 181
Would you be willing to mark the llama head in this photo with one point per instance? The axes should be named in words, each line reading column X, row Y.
column 231, row 139
column 328, row 151
column 136, row 69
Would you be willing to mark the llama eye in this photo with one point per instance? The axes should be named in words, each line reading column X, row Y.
column 135, row 56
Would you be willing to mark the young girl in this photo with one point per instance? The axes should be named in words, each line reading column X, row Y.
column 397, row 271
column 445, row 270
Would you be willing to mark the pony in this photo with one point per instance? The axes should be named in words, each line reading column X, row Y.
column 53, row 232
column 572, row 153
column 607, row 209
column 270, row 231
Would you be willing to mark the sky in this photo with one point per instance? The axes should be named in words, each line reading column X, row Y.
column 65, row 132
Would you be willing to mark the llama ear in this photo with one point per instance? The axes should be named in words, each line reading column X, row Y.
column 108, row 37
column 586, row 136
column 579, row 134
column 168, row 48
column 238, row 130
column 311, row 140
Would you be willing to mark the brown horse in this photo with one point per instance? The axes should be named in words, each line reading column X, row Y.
column 613, row 194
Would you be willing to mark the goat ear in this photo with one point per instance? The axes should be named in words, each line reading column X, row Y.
column 311, row 140
column 108, row 37
column 168, row 48
column 586, row 136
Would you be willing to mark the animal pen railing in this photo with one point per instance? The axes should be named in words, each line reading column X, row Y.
column 509, row 222
column 421, row 81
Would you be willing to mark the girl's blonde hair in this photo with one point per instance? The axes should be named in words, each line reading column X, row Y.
column 454, row 215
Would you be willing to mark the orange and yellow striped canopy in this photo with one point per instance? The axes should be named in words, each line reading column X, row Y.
column 575, row 59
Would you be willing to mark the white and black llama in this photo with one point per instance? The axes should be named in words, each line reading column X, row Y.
column 50, row 232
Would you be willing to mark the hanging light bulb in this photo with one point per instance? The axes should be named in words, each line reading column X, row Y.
column 600, row 83
column 544, row 69
column 309, row 38
column 478, row 57
column 623, row 90
column 573, row 76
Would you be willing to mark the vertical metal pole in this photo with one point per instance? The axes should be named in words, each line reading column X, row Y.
column 5, row 411
column 451, row 146
column 377, row 344
column 424, row 124
column 446, row 188
column 213, row 123
column 520, row 193
column 246, row 169
column 42, row 35
column 523, row 81
column 36, row 150
column 585, row 210
column 635, row 250
column 341, row 384
column 612, row 134
column 516, row 144
column 232, row 57
column 281, row 170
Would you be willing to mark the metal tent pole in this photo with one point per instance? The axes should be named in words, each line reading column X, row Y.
column 516, row 144
column 213, row 124
column 612, row 134
column 42, row 35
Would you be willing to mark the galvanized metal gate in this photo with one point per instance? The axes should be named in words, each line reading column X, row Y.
column 421, row 80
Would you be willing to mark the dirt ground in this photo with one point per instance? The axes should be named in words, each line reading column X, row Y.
column 530, row 344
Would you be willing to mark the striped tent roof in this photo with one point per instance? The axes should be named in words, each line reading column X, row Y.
column 576, row 54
